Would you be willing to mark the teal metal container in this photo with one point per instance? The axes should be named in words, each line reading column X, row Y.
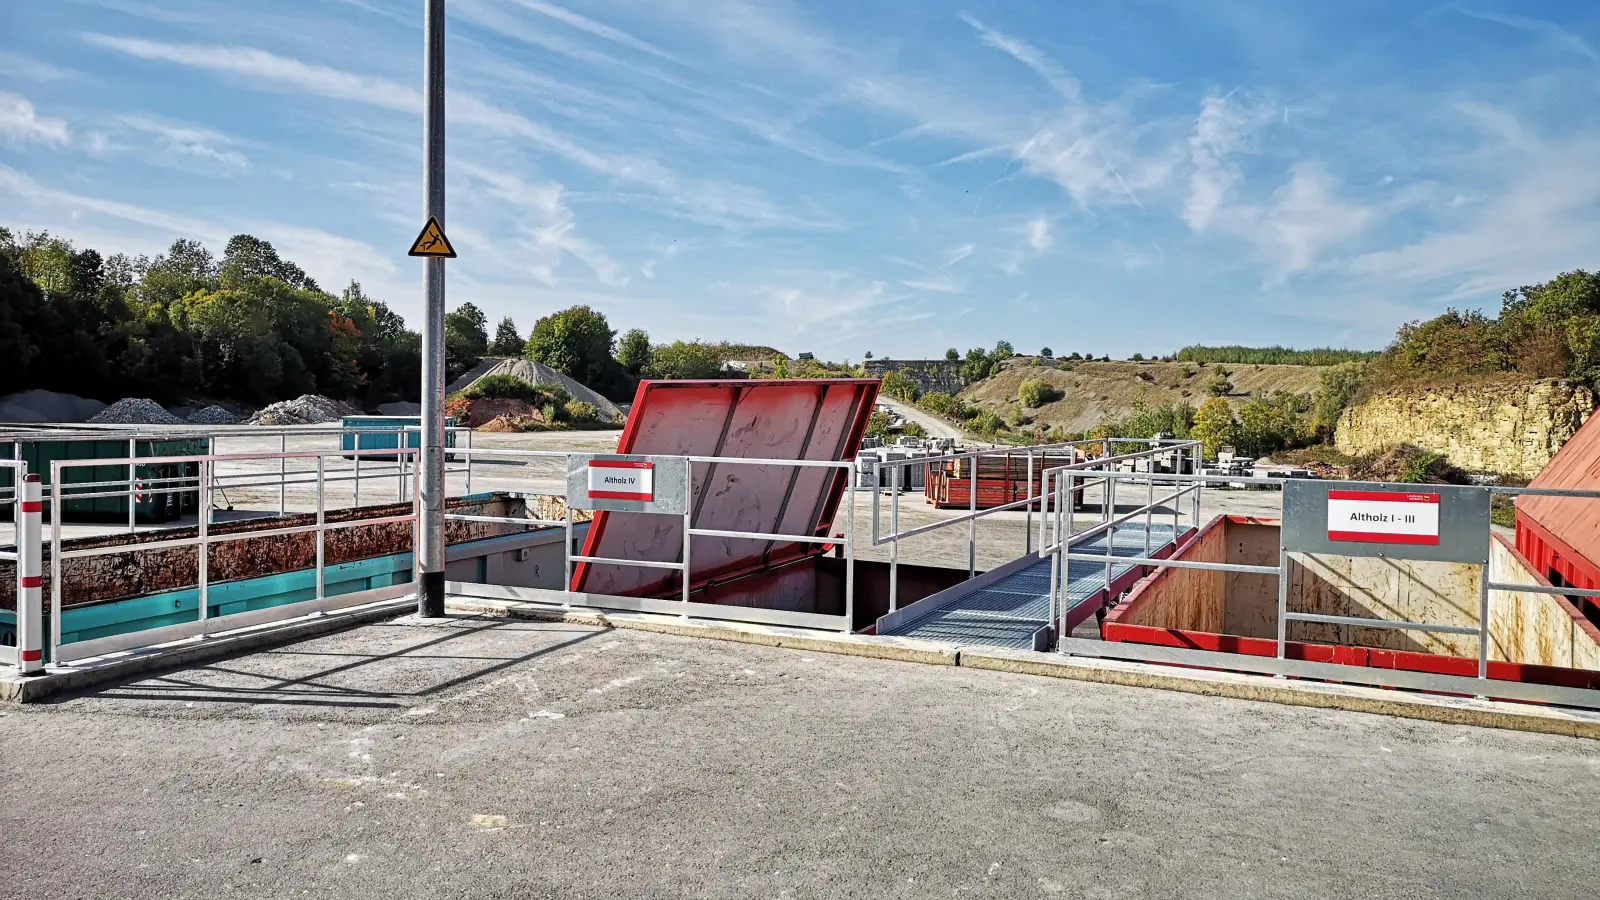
column 150, row 506
column 356, row 439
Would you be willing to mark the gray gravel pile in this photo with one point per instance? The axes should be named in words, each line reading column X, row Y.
column 135, row 411
column 307, row 409
column 213, row 415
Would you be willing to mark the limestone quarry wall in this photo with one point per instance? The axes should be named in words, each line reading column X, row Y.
column 1507, row 427
column 929, row 374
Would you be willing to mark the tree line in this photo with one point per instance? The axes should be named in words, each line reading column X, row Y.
column 251, row 326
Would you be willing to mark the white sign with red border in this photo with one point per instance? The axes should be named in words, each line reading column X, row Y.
column 1383, row 517
column 622, row 479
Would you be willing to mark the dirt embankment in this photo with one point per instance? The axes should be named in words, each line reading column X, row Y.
column 1094, row 392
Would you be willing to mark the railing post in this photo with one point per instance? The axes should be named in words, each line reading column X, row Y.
column 469, row 459
column 1027, row 522
column 566, row 551
column 1283, row 600
column 1483, row 623
column 688, row 523
column 850, row 551
column 894, row 536
column 203, row 551
column 55, row 562
column 30, row 602
column 972, row 520
column 321, row 532
column 283, row 469
column 358, row 473
column 133, row 475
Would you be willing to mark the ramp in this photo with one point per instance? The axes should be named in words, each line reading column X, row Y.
column 1008, row 606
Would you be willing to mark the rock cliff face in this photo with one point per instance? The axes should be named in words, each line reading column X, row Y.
column 1508, row 427
column 929, row 374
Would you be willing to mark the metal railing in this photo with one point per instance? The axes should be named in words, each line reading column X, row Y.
column 1065, row 538
column 683, row 606
column 63, row 490
column 1156, row 449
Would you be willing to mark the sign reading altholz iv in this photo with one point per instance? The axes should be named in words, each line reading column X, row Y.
column 622, row 479
column 647, row 484
column 1383, row 517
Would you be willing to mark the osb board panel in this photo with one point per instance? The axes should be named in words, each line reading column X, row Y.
column 1540, row 629
column 1250, row 602
column 1378, row 588
column 1188, row 599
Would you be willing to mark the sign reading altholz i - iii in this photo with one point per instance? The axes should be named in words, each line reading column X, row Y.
column 648, row 484
column 1443, row 522
column 1383, row 517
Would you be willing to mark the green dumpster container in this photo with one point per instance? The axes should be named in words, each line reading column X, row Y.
column 158, row 503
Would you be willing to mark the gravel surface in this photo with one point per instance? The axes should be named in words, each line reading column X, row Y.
column 307, row 409
column 499, row 758
column 213, row 415
column 135, row 411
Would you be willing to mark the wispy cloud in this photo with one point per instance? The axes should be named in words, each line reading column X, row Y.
column 709, row 201
column 1563, row 38
column 1025, row 53
column 20, row 123
column 182, row 144
column 29, row 69
column 598, row 29
column 1222, row 129
column 548, row 226
column 941, row 282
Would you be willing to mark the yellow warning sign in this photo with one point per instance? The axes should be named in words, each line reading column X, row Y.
column 432, row 242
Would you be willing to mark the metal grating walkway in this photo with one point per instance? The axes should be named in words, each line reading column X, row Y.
column 1007, row 612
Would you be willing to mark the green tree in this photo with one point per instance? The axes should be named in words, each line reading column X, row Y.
column 952, row 355
column 867, row 355
column 1336, row 388
column 978, row 365
column 466, row 339
column 1220, row 385
column 1002, row 351
column 1213, row 425
column 575, row 341
column 634, row 351
column 878, row 424
column 686, row 359
column 1137, row 357
column 900, row 387
column 248, row 256
column 1046, row 353
column 507, row 340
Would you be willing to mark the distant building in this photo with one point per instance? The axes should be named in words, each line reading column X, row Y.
column 805, row 357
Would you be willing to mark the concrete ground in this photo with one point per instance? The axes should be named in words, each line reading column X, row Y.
column 506, row 758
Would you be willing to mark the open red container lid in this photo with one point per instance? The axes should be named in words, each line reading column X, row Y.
column 799, row 419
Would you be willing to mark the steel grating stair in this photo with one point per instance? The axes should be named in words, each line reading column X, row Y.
column 1008, row 610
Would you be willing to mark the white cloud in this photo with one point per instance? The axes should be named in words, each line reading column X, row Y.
column 20, row 123
column 182, row 143
column 1039, row 237
column 958, row 254
column 1305, row 217
column 832, row 306
column 1222, row 129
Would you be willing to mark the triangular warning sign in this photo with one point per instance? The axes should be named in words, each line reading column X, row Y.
column 432, row 242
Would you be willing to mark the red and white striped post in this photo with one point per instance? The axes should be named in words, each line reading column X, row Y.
column 30, row 598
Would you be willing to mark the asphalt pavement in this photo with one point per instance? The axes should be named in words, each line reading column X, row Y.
column 505, row 758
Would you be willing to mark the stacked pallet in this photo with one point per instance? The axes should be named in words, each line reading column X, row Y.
column 1001, row 478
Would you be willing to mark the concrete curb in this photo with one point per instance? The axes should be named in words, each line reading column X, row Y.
column 895, row 648
column 1322, row 695
column 19, row 689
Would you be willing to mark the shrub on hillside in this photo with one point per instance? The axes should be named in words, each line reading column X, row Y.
column 1036, row 392
column 581, row 412
column 900, row 387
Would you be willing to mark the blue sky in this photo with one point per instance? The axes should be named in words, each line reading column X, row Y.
column 839, row 177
